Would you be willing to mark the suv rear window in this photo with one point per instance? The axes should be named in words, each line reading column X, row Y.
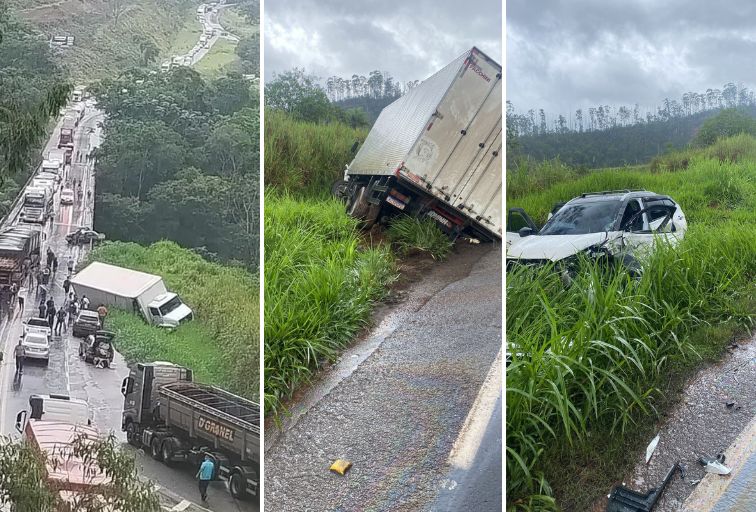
column 583, row 217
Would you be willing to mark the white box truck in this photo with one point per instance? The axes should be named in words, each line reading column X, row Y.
column 131, row 290
column 436, row 152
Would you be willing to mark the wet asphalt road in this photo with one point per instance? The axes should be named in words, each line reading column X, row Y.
column 397, row 401
column 66, row 373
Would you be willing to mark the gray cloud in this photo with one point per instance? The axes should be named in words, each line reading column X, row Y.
column 563, row 55
column 411, row 39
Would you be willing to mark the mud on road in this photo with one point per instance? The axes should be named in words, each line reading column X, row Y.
column 395, row 402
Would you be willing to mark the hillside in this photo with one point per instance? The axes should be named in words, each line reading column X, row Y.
column 110, row 36
column 591, row 373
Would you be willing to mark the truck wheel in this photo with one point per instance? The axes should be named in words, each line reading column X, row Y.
column 157, row 453
column 340, row 190
column 167, row 452
column 237, row 486
column 131, row 434
column 358, row 205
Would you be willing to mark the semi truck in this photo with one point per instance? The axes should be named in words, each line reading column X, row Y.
column 37, row 205
column 52, row 166
column 179, row 420
column 139, row 292
column 67, row 133
column 435, row 152
column 19, row 252
column 58, row 155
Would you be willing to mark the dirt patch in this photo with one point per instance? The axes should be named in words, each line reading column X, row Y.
column 53, row 13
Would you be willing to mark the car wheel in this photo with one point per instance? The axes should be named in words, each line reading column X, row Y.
column 131, row 434
column 157, row 453
column 237, row 486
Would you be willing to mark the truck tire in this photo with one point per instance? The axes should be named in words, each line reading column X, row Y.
column 131, row 434
column 167, row 452
column 155, row 448
column 358, row 205
column 237, row 486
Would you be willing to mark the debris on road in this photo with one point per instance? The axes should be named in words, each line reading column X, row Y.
column 623, row 499
column 715, row 466
column 341, row 466
column 652, row 448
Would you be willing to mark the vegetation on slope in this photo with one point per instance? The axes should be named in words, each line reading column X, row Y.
column 594, row 364
column 222, row 343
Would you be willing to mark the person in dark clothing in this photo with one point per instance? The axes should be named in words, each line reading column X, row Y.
column 50, row 303
column 55, row 264
column 60, row 321
column 51, row 316
column 66, row 285
column 50, row 256
column 20, row 355
column 42, row 310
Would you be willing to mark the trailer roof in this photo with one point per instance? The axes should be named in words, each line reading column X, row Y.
column 116, row 280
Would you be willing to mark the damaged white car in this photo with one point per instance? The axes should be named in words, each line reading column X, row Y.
column 620, row 224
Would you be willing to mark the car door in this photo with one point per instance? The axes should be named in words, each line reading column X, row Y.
column 517, row 219
column 645, row 227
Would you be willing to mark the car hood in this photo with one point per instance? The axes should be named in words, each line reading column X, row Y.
column 554, row 247
column 178, row 314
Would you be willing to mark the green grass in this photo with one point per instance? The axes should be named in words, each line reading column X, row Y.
column 415, row 235
column 222, row 343
column 236, row 24
column 305, row 158
column 220, row 59
column 187, row 36
column 320, row 287
column 595, row 364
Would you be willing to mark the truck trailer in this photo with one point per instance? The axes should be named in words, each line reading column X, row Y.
column 139, row 292
column 19, row 252
column 179, row 420
column 37, row 205
column 67, row 133
column 435, row 152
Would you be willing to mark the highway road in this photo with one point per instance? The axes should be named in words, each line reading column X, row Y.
column 66, row 373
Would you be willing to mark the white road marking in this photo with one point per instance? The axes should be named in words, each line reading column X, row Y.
column 468, row 442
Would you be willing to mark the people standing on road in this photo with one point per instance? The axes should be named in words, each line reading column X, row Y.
column 50, row 303
column 50, row 256
column 55, row 264
column 20, row 352
column 73, row 309
column 42, row 309
column 13, row 291
column 84, row 302
column 60, row 321
column 21, row 299
column 205, row 475
column 51, row 316
column 102, row 312
column 71, row 264
column 66, row 285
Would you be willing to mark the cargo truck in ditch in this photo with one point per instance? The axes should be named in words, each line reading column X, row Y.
column 138, row 292
column 179, row 420
column 436, row 152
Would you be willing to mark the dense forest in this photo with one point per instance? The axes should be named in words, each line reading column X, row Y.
column 180, row 161
column 33, row 88
column 604, row 136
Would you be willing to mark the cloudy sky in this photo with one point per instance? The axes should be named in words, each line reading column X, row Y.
column 411, row 39
column 563, row 55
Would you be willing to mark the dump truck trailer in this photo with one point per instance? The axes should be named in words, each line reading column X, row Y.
column 436, row 152
column 179, row 420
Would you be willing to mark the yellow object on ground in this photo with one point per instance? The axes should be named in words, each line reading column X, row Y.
column 341, row 466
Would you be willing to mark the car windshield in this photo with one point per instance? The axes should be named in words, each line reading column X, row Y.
column 38, row 322
column 583, row 217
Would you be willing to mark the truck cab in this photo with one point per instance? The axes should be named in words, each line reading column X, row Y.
column 51, row 166
column 35, row 206
column 167, row 310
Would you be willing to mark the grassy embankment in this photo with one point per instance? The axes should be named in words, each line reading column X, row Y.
column 595, row 365
column 320, row 279
column 219, row 60
column 236, row 23
column 222, row 344
column 103, row 47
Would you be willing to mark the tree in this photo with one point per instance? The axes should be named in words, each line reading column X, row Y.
column 116, row 8
column 24, row 484
column 230, row 93
column 299, row 94
column 725, row 124
column 248, row 51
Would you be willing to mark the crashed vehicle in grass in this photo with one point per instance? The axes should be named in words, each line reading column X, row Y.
column 618, row 225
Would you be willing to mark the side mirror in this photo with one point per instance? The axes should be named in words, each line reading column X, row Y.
column 127, row 386
column 526, row 231
column 20, row 421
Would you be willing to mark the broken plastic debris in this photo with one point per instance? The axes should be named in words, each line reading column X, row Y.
column 729, row 405
column 341, row 466
column 651, row 448
column 714, row 466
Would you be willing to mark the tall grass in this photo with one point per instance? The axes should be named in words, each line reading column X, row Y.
column 305, row 159
column 589, row 361
column 320, row 286
column 223, row 340
column 410, row 235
